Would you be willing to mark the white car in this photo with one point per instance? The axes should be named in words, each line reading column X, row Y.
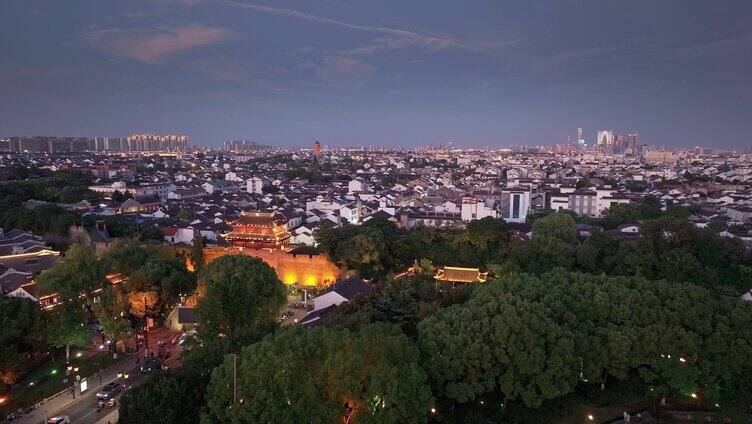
column 60, row 419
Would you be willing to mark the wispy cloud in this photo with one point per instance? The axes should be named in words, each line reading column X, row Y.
column 153, row 45
column 344, row 71
column 391, row 38
column 731, row 42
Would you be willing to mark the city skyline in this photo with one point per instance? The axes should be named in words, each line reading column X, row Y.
column 286, row 73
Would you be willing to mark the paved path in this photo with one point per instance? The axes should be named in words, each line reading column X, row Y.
column 83, row 409
column 64, row 400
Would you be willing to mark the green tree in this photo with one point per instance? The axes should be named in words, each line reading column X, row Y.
column 323, row 375
column 621, row 213
column 20, row 333
column 151, row 233
column 497, row 341
column 677, row 337
column 650, row 207
column 78, row 273
column 558, row 225
column 680, row 265
column 487, row 232
column 197, row 252
column 165, row 397
column 242, row 296
column 588, row 257
column 67, row 327
column 146, row 271
column 110, row 309
column 541, row 254
column 635, row 257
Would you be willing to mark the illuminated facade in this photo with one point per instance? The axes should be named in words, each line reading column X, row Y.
column 453, row 274
column 292, row 269
column 258, row 230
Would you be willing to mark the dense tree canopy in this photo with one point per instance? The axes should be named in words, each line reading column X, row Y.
column 323, row 375
column 537, row 337
column 242, row 295
column 166, row 397
column 67, row 327
column 21, row 325
column 78, row 272
column 149, row 277
column 558, row 225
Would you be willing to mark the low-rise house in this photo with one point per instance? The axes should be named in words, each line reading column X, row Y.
column 337, row 294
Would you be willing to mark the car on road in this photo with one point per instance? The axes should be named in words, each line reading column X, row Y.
column 110, row 390
column 60, row 419
column 149, row 366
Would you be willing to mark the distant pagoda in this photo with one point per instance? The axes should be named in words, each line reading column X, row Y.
column 258, row 230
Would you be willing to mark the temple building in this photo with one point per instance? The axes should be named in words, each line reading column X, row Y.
column 453, row 274
column 258, row 230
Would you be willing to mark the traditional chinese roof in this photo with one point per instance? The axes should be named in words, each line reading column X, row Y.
column 460, row 275
column 258, row 228
column 257, row 219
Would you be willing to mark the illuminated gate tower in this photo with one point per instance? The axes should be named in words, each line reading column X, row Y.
column 258, row 230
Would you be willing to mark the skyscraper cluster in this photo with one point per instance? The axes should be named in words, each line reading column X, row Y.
column 132, row 143
column 155, row 142
column 240, row 146
column 609, row 141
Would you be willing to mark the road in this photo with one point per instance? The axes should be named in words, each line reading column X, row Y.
column 83, row 410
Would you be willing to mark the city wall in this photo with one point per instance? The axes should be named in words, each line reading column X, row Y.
column 305, row 270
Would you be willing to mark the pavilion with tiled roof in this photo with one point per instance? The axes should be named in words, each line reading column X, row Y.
column 453, row 274
column 258, row 230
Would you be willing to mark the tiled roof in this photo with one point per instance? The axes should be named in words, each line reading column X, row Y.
column 461, row 275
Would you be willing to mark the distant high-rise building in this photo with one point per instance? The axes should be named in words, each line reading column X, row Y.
column 243, row 146
column 580, row 138
column 605, row 139
column 633, row 141
column 316, row 148
column 156, row 143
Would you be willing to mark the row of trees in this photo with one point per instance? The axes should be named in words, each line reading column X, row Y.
column 537, row 338
column 142, row 282
column 528, row 338
column 668, row 248
column 378, row 247
column 43, row 185
column 322, row 375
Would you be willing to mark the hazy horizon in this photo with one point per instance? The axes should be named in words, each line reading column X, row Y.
column 394, row 74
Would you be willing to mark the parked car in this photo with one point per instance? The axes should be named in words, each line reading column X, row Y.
column 60, row 419
column 110, row 390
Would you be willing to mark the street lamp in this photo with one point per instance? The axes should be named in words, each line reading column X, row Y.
column 54, row 381
column 33, row 392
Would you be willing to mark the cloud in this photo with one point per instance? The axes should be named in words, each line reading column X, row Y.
column 334, row 70
column 730, row 43
column 154, row 45
column 392, row 38
column 345, row 70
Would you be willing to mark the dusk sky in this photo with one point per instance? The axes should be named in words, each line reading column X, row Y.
column 393, row 73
